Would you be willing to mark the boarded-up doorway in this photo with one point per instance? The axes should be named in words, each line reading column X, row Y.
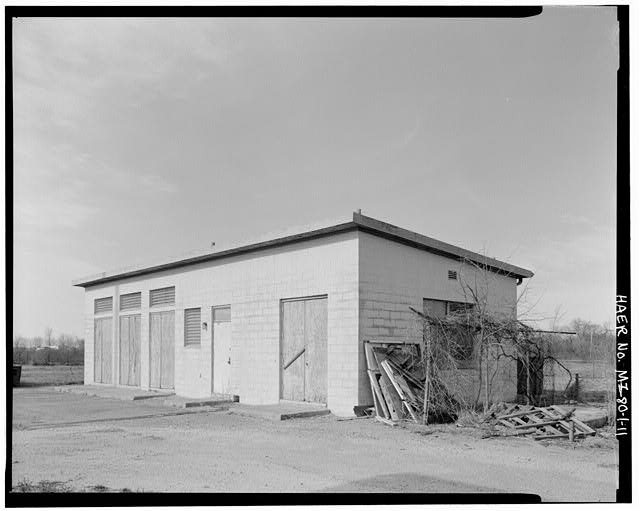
column 303, row 349
column 530, row 380
column 161, row 349
column 130, row 350
column 102, row 350
column 221, row 352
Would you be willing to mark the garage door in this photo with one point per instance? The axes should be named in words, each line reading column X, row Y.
column 102, row 343
column 161, row 347
column 304, row 349
column 130, row 350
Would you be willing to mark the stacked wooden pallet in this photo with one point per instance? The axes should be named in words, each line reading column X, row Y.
column 544, row 423
column 397, row 390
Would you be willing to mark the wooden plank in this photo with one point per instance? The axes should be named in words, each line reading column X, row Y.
column 387, row 369
column 377, row 393
column 167, row 348
column 509, row 410
column 516, row 422
column 404, row 385
column 394, row 404
column 368, row 352
column 292, row 342
column 380, row 395
column 124, row 350
column 537, row 420
column 548, row 413
column 405, row 375
column 295, row 357
column 392, row 399
column 505, row 422
column 134, row 351
column 107, row 354
column 372, row 371
column 411, row 411
column 584, row 427
column 378, row 400
column 376, row 403
column 97, row 351
column 515, row 414
column 548, row 437
column 392, row 377
column 537, row 424
column 155, row 343
column 559, row 435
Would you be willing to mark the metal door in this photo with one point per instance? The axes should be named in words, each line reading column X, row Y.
column 221, row 352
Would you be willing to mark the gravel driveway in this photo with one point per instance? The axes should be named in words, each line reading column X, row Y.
column 88, row 441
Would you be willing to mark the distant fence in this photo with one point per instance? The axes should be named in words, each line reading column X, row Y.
column 586, row 381
column 62, row 355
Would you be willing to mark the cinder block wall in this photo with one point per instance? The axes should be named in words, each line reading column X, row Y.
column 394, row 277
column 253, row 284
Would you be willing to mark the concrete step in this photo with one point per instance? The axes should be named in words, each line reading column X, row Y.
column 279, row 412
column 185, row 402
column 112, row 392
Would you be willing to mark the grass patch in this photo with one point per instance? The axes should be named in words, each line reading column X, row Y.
column 26, row 486
column 38, row 376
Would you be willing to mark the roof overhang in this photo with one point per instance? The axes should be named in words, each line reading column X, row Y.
column 359, row 222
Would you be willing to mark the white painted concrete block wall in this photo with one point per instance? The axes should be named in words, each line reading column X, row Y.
column 395, row 276
column 254, row 284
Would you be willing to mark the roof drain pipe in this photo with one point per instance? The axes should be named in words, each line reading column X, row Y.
column 520, row 279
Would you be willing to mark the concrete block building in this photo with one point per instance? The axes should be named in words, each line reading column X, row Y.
column 282, row 319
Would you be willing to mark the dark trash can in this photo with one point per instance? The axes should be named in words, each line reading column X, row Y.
column 17, row 372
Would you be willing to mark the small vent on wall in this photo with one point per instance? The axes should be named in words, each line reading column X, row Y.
column 453, row 275
column 102, row 305
column 191, row 327
column 162, row 297
column 131, row 301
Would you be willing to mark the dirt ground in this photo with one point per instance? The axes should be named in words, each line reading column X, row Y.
column 85, row 442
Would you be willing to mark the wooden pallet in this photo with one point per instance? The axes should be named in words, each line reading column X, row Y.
column 545, row 423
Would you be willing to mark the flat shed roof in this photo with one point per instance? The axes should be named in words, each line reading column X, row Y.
column 359, row 222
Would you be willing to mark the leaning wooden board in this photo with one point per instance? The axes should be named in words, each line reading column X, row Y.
column 394, row 404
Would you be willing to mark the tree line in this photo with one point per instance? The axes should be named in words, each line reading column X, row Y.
column 63, row 349
column 591, row 341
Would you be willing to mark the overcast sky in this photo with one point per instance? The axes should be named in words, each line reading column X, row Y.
column 142, row 138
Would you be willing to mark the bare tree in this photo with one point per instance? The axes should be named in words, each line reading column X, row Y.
column 18, row 341
column 48, row 336
column 489, row 337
